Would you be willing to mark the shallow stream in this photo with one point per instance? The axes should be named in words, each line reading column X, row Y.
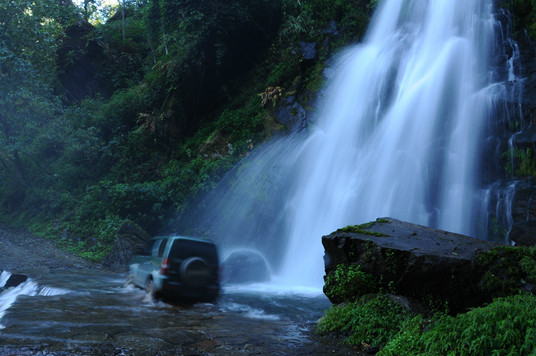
column 92, row 312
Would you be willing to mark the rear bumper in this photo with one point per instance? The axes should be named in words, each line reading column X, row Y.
column 208, row 293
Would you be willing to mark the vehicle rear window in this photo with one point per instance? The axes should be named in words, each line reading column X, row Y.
column 183, row 249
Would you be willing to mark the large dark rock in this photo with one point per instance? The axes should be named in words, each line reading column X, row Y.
column 411, row 260
column 15, row 279
column 130, row 238
column 245, row 266
column 523, row 213
column 292, row 114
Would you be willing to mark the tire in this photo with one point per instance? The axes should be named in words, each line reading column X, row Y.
column 128, row 281
column 149, row 287
column 195, row 272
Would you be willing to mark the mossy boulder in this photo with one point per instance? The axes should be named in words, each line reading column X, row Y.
column 422, row 263
column 130, row 237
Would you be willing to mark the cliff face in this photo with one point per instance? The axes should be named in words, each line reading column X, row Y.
column 511, row 162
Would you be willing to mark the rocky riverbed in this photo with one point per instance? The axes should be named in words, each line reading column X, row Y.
column 69, row 306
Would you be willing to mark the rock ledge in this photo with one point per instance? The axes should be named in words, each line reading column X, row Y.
column 411, row 260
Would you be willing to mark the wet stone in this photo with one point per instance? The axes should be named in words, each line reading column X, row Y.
column 15, row 280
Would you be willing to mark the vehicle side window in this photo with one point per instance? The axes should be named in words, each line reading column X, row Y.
column 156, row 247
column 162, row 248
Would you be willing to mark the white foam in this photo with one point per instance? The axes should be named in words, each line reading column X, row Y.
column 28, row 288
column 275, row 287
column 9, row 296
column 249, row 312
column 4, row 278
column 51, row 291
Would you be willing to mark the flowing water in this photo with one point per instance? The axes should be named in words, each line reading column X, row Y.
column 398, row 132
column 92, row 312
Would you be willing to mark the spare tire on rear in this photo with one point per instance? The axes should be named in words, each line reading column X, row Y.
column 195, row 272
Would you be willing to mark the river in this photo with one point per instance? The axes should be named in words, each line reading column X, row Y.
column 92, row 312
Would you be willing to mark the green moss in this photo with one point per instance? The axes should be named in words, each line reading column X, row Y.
column 315, row 79
column 523, row 17
column 364, row 228
column 504, row 327
column 369, row 320
column 347, row 283
column 507, row 269
column 520, row 162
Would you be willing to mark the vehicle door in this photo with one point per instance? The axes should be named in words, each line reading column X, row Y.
column 149, row 261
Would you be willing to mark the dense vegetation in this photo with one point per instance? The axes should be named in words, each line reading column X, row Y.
column 132, row 115
column 370, row 315
column 504, row 327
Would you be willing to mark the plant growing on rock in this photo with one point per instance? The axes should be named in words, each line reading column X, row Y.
column 504, row 327
column 508, row 270
column 348, row 283
column 369, row 321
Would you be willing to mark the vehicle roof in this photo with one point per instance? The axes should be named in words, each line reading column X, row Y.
column 181, row 237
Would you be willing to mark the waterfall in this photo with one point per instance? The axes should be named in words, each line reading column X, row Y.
column 398, row 132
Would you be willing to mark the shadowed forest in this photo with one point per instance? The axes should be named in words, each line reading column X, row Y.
column 129, row 112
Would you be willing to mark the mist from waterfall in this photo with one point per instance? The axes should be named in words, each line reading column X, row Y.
column 397, row 132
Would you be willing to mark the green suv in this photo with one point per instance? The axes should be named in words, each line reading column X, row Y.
column 177, row 266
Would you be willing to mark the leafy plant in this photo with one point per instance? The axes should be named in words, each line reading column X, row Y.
column 504, row 327
column 371, row 320
column 520, row 162
column 348, row 283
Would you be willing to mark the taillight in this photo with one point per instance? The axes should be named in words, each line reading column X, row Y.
column 164, row 267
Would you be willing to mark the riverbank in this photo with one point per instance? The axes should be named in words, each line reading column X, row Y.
column 23, row 252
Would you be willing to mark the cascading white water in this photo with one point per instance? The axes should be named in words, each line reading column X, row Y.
column 400, row 130
column 28, row 287
column 398, row 133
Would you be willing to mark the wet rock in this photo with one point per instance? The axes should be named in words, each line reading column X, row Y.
column 411, row 260
column 523, row 231
column 331, row 29
column 292, row 114
column 308, row 50
column 15, row 279
column 130, row 238
column 245, row 266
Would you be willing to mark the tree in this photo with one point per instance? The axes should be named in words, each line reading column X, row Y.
column 90, row 7
column 29, row 35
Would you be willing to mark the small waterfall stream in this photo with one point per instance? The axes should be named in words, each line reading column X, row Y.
column 398, row 132
column 28, row 288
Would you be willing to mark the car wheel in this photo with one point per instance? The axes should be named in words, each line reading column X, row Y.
column 128, row 281
column 149, row 287
column 195, row 271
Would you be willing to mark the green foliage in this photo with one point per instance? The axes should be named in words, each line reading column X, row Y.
column 178, row 103
column 305, row 20
column 370, row 320
column 92, row 240
column 508, row 269
column 364, row 228
column 524, row 13
column 348, row 283
column 520, row 162
column 504, row 327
